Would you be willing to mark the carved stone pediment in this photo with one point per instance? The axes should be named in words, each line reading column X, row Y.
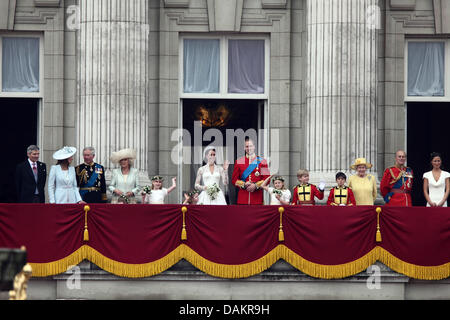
column 225, row 15
column 47, row 3
column 403, row 4
column 7, row 13
column 176, row 3
column 442, row 16
column 274, row 4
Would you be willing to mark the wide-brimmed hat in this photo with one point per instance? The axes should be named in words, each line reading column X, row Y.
column 64, row 153
column 361, row 162
column 123, row 154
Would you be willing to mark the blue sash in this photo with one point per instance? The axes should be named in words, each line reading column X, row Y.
column 91, row 181
column 250, row 168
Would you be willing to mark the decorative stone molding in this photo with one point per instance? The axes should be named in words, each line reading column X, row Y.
column 7, row 13
column 46, row 3
column 442, row 16
column 182, row 18
column 274, row 4
column 225, row 15
column 412, row 20
column 176, row 3
column 262, row 20
column 39, row 16
column 403, row 4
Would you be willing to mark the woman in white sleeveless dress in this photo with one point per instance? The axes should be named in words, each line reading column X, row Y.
column 436, row 183
column 210, row 175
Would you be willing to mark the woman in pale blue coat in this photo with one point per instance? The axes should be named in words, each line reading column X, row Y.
column 62, row 183
column 125, row 180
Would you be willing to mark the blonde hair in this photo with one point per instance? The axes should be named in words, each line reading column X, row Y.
column 302, row 172
column 279, row 178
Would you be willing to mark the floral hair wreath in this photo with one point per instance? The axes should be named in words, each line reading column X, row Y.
column 280, row 178
column 157, row 178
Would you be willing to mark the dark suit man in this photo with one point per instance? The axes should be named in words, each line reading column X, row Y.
column 30, row 178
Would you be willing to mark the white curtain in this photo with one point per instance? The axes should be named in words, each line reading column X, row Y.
column 20, row 64
column 246, row 66
column 201, row 65
column 426, row 69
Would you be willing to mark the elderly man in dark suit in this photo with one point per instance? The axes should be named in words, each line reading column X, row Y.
column 30, row 178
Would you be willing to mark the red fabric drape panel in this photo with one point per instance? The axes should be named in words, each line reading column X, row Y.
column 49, row 232
column 134, row 234
column 330, row 236
column 416, row 235
column 232, row 234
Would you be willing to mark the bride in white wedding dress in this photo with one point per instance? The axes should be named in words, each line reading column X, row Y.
column 208, row 180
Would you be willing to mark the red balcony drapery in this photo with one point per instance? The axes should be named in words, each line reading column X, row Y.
column 230, row 241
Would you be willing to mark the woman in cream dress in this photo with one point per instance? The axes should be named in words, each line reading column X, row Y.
column 62, row 183
column 125, row 181
column 208, row 175
column 436, row 183
column 363, row 185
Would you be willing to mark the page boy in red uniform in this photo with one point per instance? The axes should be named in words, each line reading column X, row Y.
column 341, row 195
column 305, row 193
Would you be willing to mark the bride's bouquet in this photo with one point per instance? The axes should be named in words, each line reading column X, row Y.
column 212, row 191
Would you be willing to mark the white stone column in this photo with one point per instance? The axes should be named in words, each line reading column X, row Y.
column 341, row 85
column 113, row 44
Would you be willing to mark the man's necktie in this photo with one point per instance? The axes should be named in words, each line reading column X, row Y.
column 35, row 171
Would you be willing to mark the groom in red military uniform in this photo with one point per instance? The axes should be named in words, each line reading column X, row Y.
column 396, row 183
column 249, row 174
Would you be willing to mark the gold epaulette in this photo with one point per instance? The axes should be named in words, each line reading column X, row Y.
column 239, row 183
column 259, row 183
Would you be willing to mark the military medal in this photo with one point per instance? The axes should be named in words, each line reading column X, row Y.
column 257, row 172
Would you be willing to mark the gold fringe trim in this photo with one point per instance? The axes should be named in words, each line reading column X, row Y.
column 117, row 268
column 242, row 270
column 59, row 266
column 230, row 271
column 329, row 271
column 412, row 270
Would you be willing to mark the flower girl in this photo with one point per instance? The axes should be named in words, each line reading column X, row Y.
column 156, row 193
column 279, row 195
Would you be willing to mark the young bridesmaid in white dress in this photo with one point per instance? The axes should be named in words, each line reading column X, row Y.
column 158, row 193
column 436, row 183
column 210, row 174
column 279, row 195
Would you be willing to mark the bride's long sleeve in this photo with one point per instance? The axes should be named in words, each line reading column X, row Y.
column 224, row 174
column 198, row 186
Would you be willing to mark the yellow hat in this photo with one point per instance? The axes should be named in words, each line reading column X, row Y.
column 361, row 162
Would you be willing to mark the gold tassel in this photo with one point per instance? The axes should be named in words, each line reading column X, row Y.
column 281, row 232
column 183, row 232
column 86, row 232
column 378, row 236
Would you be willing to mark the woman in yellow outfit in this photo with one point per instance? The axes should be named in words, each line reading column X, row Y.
column 364, row 185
